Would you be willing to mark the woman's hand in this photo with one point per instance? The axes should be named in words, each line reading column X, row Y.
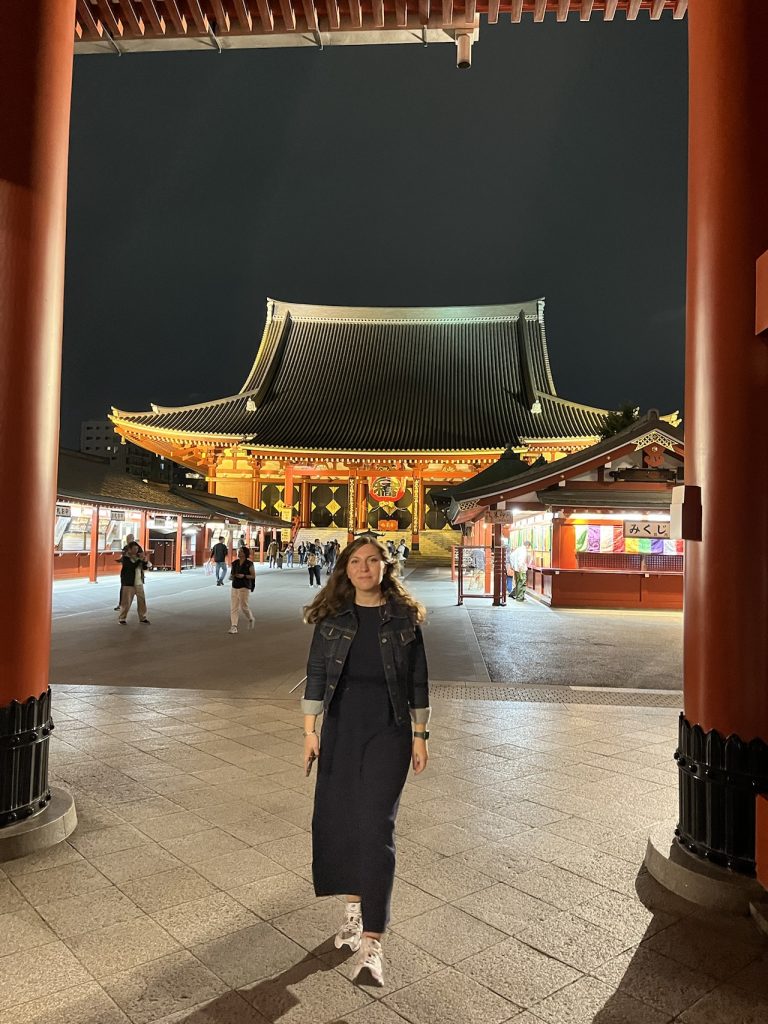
column 419, row 756
column 311, row 750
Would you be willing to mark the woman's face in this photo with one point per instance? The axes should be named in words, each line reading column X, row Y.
column 365, row 569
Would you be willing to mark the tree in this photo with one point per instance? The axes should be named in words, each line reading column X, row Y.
column 619, row 420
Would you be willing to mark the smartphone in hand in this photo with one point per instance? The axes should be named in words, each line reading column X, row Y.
column 310, row 761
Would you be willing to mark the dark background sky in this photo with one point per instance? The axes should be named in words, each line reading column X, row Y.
column 201, row 183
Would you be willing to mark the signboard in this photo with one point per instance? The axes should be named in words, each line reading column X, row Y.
column 388, row 524
column 64, row 510
column 499, row 515
column 387, row 489
column 644, row 528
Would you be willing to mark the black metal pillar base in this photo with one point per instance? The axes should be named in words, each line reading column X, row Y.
column 719, row 780
column 25, row 730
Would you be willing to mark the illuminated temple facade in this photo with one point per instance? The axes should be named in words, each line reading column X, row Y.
column 357, row 418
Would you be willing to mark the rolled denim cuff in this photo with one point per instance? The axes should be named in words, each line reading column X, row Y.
column 420, row 716
column 311, row 707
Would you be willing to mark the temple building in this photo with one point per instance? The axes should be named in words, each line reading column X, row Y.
column 357, row 418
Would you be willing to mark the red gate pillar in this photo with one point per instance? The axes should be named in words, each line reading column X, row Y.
column 726, row 639
column 179, row 541
column 93, row 554
column 36, row 44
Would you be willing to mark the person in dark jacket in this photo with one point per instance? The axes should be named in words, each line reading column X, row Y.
column 132, row 567
column 219, row 553
column 367, row 673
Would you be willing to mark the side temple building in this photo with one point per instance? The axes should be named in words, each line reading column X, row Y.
column 351, row 418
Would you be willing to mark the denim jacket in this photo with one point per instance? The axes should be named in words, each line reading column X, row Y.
column 402, row 654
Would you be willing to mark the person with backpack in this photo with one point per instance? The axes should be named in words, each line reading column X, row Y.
column 243, row 576
column 313, row 565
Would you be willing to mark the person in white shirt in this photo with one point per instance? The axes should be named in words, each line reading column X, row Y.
column 519, row 560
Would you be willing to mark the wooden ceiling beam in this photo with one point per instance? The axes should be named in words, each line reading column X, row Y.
column 332, row 13
column 377, row 10
column 539, row 10
column 89, row 25
column 113, row 25
column 657, row 9
column 680, row 9
column 243, row 15
column 289, row 15
column 447, row 12
column 221, row 17
column 156, row 21
column 586, row 9
column 197, row 16
column 175, row 16
column 563, row 10
column 633, row 9
column 493, row 12
column 610, row 10
column 133, row 22
column 310, row 14
column 267, row 18
column 401, row 13
column 516, row 11
column 355, row 13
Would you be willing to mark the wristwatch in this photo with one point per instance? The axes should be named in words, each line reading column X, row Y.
column 421, row 735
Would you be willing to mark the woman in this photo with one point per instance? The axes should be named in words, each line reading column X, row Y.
column 367, row 672
column 243, row 576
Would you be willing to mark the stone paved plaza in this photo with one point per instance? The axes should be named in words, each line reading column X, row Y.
column 184, row 894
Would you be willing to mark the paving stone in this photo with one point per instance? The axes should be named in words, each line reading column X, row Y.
column 40, row 887
column 85, row 1004
column 448, row 879
column 727, row 1005
column 167, row 888
column 10, row 897
column 137, row 863
column 89, row 911
column 249, row 955
column 292, row 852
column 277, row 894
column 118, row 947
column 505, row 908
column 449, row 934
column 573, row 941
column 313, row 926
column 656, row 980
column 261, row 828
column 517, row 972
column 713, row 950
column 227, row 1009
column 308, row 991
column 623, row 916
column 409, row 901
column 23, row 929
column 202, row 846
column 372, row 1013
column 450, row 998
column 46, row 860
column 555, row 885
column 20, row 976
column 233, row 869
column 169, row 985
column 589, row 1000
column 173, row 826
column 107, row 840
column 204, row 919
column 754, row 977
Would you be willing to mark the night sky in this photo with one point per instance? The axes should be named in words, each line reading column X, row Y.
column 200, row 184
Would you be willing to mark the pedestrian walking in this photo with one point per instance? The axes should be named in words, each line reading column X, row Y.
column 367, row 673
column 132, row 567
column 243, row 576
column 313, row 565
column 289, row 555
column 272, row 553
column 219, row 553
column 130, row 539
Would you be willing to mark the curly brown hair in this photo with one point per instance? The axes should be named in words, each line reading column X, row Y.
column 339, row 593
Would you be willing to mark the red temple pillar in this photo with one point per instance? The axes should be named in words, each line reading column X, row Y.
column 418, row 503
column 179, row 542
column 305, row 506
column 36, row 46
column 726, row 577
column 93, row 554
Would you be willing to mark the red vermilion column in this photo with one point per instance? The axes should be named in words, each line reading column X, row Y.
column 726, row 426
column 36, row 45
column 179, row 541
column 93, row 554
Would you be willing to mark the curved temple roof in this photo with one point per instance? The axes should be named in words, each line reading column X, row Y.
column 337, row 378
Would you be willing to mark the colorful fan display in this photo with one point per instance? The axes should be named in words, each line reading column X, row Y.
column 596, row 539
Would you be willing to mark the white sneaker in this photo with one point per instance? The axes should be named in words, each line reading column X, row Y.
column 233, row 629
column 370, row 956
column 351, row 931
